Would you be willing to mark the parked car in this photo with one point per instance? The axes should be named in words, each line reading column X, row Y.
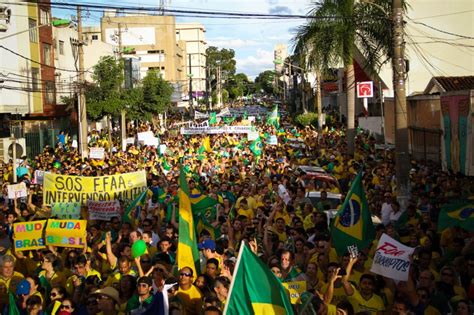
column 317, row 174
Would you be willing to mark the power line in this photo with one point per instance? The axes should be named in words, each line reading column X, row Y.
column 37, row 62
column 441, row 15
column 439, row 30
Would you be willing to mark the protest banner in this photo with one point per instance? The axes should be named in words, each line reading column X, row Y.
column 130, row 140
column 38, row 177
column 96, row 153
column 295, row 289
column 103, row 210
column 216, row 130
column 142, row 136
column 392, row 259
column 66, row 210
column 64, row 188
column 66, row 233
column 28, row 235
column 17, row 191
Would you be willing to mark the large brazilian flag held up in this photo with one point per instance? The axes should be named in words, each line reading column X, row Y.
column 353, row 223
column 188, row 255
column 458, row 213
column 255, row 289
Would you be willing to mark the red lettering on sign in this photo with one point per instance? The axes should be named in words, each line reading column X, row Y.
column 390, row 249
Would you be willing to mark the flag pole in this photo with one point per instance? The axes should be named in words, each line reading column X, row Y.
column 239, row 257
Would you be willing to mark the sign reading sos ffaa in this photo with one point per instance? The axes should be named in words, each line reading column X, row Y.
column 365, row 89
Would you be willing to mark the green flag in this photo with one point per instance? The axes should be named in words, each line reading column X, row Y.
column 212, row 118
column 353, row 223
column 12, row 307
column 273, row 118
column 138, row 201
column 228, row 120
column 458, row 213
column 255, row 289
column 256, row 147
column 200, row 202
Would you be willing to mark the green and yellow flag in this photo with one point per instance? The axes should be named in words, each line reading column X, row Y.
column 256, row 147
column 188, row 255
column 207, row 144
column 200, row 202
column 12, row 307
column 252, row 294
column 138, row 201
column 459, row 213
column 212, row 118
column 273, row 118
column 353, row 223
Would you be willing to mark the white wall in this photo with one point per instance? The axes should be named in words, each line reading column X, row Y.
column 65, row 80
column 446, row 59
column 14, row 70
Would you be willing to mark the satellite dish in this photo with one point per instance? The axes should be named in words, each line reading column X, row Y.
column 19, row 150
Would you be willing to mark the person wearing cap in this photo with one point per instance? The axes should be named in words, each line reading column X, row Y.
column 108, row 301
column 188, row 293
column 208, row 248
column 23, row 292
column 140, row 301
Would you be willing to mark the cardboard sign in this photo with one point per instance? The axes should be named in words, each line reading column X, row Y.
column 17, row 191
column 66, row 233
column 252, row 135
column 273, row 140
column 64, row 188
column 39, row 177
column 66, row 210
column 96, row 153
column 103, row 210
column 28, row 235
column 295, row 288
column 392, row 259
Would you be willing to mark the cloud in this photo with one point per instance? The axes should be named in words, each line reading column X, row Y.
column 254, row 64
column 231, row 42
column 280, row 10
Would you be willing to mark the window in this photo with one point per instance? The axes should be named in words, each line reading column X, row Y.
column 44, row 17
column 47, row 54
column 49, row 92
column 35, row 79
column 61, row 47
column 33, row 30
column 95, row 37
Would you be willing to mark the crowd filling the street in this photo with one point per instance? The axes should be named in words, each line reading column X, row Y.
column 266, row 217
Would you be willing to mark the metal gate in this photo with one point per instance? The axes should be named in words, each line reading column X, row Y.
column 36, row 141
column 425, row 144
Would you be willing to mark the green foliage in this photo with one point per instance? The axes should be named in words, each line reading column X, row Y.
column 225, row 96
column 223, row 58
column 307, row 119
column 104, row 96
column 156, row 93
column 264, row 81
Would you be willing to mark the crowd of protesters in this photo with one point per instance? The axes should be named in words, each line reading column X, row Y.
column 262, row 199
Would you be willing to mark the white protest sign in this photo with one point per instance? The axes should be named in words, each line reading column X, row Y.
column 103, row 210
column 130, row 140
column 142, row 136
column 74, row 144
column 17, row 191
column 216, row 130
column 96, row 153
column 153, row 141
column 252, row 135
column 251, row 118
column 162, row 148
column 392, row 259
column 273, row 140
column 39, row 177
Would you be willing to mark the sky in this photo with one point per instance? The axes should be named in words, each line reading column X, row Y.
column 252, row 40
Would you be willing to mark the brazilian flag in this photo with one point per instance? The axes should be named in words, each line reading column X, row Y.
column 212, row 118
column 459, row 213
column 353, row 223
column 256, row 147
column 200, row 202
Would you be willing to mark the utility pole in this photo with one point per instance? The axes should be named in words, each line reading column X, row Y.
column 190, row 75
column 82, row 98
column 123, row 123
column 402, row 157
column 219, row 87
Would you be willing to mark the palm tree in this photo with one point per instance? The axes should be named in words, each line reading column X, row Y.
column 335, row 28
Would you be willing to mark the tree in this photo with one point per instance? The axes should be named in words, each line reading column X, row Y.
column 237, row 85
column 330, row 37
column 156, row 94
column 104, row 96
column 223, row 58
column 265, row 81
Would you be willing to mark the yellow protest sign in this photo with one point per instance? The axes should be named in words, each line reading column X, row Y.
column 66, row 233
column 295, row 288
column 28, row 235
column 63, row 188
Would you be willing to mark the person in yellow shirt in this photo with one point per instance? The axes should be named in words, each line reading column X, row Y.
column 364, row 299
column 244, row 209
column 188, row 293
column 9, row 278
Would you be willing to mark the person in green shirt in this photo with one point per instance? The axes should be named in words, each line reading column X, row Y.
column 140, row 301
